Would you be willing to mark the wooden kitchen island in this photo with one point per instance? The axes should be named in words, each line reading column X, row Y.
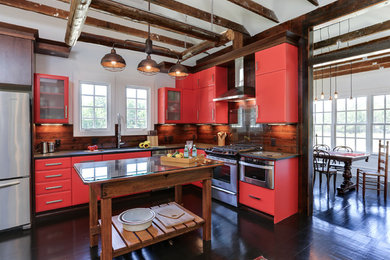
column 108, row 179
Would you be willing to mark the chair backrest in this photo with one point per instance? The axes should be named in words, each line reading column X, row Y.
column 383, row 158
column 321, row 160
column 343, row 148
column 323, row 147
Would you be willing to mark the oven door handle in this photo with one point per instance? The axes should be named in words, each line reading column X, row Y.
column 223, row 190
column 257, row 166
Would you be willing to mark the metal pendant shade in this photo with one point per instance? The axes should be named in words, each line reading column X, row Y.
column 113, row 61
column 148, row 66
column 178, row 71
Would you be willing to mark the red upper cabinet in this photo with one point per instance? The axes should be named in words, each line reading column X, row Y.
column 51, row 95
column 187, row 83
column 277, row 87
column 280, row 57
column 170, row 104
column 189, row 106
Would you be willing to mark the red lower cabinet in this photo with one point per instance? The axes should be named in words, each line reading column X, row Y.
column 80, row 191
column 53, row 201
column 282, row 201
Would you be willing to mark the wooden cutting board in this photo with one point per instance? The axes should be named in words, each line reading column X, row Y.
column 172, row 215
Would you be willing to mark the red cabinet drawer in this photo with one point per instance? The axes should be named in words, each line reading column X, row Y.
column 121, row 156
column 51, row 164
column 53, row 201
column 52, row 186
column 257, row 197
column 89, row 158
column 53, row 175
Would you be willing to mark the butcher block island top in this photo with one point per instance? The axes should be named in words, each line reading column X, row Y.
column 108, row 179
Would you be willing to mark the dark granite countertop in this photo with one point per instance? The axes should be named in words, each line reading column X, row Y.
column 114, row 150
column 274, row 156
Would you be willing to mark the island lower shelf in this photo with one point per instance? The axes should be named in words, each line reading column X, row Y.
column 124, row 241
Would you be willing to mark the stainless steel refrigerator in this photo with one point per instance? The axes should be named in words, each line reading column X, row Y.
column 14, row 159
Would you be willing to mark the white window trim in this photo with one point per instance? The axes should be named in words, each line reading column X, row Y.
column 137, row 131
column 77, row 130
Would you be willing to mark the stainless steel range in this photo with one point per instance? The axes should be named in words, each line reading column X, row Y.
column 225, row 178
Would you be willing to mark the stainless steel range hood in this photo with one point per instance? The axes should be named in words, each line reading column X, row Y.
column 239, row 92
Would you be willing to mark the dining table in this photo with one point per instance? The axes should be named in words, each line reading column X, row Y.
column 347, row 158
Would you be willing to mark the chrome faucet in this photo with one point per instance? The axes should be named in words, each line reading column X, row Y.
column 119, row 139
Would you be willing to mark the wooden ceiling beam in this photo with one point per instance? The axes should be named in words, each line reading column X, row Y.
column 159, row 21
column 53, row 48
column 355, row 50
column 376, row 28
column 62, row 14
column 129, row 45
column 77, row 15
column 314, row 2
column 257, row 9
column 200, row 14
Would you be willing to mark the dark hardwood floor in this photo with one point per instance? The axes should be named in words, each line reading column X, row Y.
column 341, row 228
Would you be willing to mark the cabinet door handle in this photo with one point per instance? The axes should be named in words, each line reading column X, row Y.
column 53, row 164
column 9, row 184
column 198, row 83
column 212, row 114
column 53, row 201
column 257, row 65
column 53, row 187
column 166, row 114
column 87, row 161
column 212, row 77
column 197, row 114
column 53, row 176
column 257, row 111
column 253, row 197
column 66, row 111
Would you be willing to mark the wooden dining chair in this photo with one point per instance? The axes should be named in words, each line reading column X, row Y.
column 375, row 180
column 339, row 166
column 323, row 147
column 321, row 163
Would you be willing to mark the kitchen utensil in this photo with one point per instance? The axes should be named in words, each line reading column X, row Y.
column 51, row 146
column 221, row 138
column 172, row 215
column 137, row 219
column 44, row 147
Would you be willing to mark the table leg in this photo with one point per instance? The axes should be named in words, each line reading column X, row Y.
column 93, row 217
column 106, row 236
column 347, row 184
column 206, row 207
column 178, row 194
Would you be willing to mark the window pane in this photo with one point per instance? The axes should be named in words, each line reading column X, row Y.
column 351, row 104
column 327, row 141
column 101, row 123
column 340, row 131
column 319, row 105
column 350, row 131
column 141, row 124
column 131, row 93
column 131, row 103
column 87, row 101
column 141, row 93
column 351, row 143
column 361, row 116
column 379, row 116
column 360, row 145
column 100, row 113
column 86, row 89
column 328, row 106
column 377, row 131
column 388, row 101
column 141, row 104
column 131, row 114
column 100, row 101
column 101, row 90
column 387, row 116
column 87, row 123
column 339, row 141
column 379, row 102
column 351, row 117
column 141, row 115
column 375, row 146
column 318, row 130
column 327, row 118
column 327, row 130
column 341, row 104
column 341, row 117
column 87, row 112
column 361, row 103
column 387, row 132
column 319, row 118
column 361, row 131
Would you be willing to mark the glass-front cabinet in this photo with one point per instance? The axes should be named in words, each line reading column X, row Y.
column 51, row 95
column 170, row 105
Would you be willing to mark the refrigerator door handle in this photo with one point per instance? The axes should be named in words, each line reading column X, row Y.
column 9, row 184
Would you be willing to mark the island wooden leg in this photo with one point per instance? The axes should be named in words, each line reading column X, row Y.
column 106, row 236
column 93, row 218
column 178, row 194
column 206, row 207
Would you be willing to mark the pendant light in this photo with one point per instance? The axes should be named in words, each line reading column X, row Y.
column 336, row 94
column 178, row 71
column 148, row 66
column 330, row 82
column 113, row 62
